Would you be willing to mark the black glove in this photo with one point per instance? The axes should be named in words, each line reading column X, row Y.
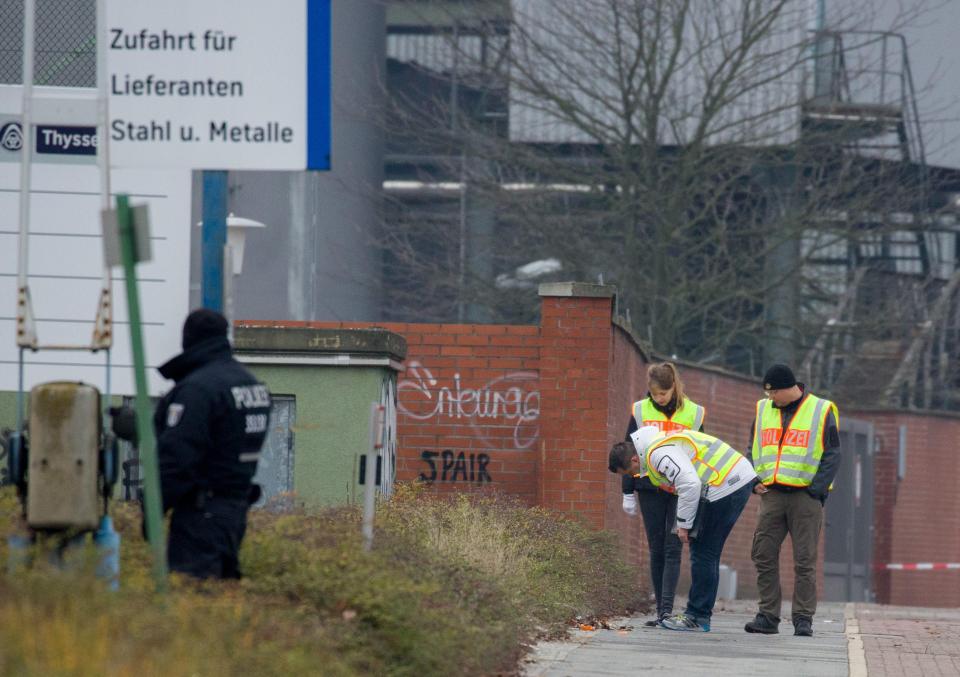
column 820, row 497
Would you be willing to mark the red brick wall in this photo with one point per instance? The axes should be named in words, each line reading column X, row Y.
column 575, row 334
column 471, row 390
column 628, row 383
column 469, row 405
column 533, row 411
column 916, row 519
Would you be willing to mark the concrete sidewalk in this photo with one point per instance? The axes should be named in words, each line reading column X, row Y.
column 849, row 639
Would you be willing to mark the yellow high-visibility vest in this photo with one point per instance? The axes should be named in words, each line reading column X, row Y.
column 688, row 416
column 794, row 459
column 713, row 461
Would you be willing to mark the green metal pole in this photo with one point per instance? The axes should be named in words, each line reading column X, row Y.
column 148, row 453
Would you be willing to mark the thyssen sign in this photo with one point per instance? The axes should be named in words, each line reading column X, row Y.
column 50, row 140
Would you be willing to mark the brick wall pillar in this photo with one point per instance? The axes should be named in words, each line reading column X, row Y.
column 575, row 356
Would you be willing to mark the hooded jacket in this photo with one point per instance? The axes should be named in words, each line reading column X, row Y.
column 210, row 426
column 628, row 483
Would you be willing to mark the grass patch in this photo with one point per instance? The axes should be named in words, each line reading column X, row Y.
column 453, row 586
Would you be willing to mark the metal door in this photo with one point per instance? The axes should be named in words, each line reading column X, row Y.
column 848, row 540
column 275, row 469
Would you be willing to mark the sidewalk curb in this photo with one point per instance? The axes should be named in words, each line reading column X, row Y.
column 856, row 658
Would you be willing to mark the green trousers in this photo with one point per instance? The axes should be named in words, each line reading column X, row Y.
column 800, row 515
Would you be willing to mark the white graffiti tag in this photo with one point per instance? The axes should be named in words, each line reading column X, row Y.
column 506, row 397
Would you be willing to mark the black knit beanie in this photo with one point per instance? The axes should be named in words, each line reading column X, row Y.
column 201, row 325
column 779, row 377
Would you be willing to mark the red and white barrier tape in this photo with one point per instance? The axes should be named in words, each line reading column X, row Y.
column 921, row 566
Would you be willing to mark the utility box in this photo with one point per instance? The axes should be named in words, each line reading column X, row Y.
column 64, row 449
column 323, row 381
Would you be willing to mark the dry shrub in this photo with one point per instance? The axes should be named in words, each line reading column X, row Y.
column 453, row 586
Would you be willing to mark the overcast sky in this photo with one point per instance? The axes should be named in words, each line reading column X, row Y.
column 933, row 39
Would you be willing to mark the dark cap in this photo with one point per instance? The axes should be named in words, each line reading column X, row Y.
column 778, row 377
column 201, row 325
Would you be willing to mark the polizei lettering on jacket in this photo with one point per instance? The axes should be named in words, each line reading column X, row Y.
column 269, row 132
column 250, row 397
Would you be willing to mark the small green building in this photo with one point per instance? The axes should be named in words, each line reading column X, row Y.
column 324, row 382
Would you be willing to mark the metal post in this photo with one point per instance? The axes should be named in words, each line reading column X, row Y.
column 214, row 237
column 462, row 256
column 370, row 477
column 26, row 121
column 228, row 280
column 105, row 312
column 25, row 330
column 148, row 456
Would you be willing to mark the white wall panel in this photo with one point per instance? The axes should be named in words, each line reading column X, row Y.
column 65, row 270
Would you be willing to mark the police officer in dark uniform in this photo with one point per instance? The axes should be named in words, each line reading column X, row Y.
column 209, row 428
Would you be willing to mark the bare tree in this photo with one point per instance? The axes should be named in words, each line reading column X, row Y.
column 724, row 164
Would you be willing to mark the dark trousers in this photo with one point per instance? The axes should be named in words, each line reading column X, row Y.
column 659, row 510
column 205, row 540
column 799, row 514
column 717, row 521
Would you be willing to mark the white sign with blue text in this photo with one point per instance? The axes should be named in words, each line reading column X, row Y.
column 219, row 84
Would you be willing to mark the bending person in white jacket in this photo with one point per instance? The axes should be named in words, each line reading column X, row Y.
column 713, row 482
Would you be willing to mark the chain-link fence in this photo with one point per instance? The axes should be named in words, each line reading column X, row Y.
column 66, row 49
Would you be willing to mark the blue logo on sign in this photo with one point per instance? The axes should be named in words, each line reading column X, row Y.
column 11, row 136
column 59, row 140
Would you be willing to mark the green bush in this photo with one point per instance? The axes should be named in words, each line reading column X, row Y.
column 453, row 586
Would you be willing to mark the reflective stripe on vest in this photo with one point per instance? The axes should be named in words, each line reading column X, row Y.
column 688, row 417
column 794, row 459
column 713, row 461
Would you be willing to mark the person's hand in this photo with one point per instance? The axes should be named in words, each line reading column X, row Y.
column 630, row 504
column 683, row 535
column 759, row 489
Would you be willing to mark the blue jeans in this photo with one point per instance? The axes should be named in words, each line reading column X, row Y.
column 717, row 522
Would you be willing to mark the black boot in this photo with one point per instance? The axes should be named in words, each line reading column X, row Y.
column 803, row 626
column 763, row 625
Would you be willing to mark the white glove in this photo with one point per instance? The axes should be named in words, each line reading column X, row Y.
column 630, row 504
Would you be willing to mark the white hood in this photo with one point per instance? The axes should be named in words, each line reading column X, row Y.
column 642, row 438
